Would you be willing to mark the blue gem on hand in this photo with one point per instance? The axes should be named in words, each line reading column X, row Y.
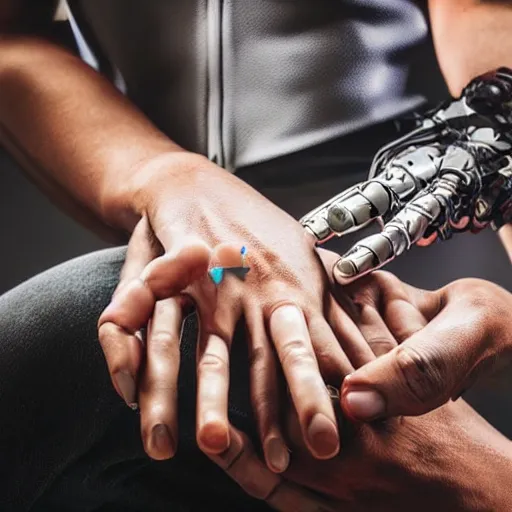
column 216, row 274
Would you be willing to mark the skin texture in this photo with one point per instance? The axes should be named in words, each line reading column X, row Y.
column 386, row 465
column 471, row 37
column 450, row 456
column 448, row 339
column 426, row 463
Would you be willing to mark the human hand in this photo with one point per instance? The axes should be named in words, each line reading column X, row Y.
column 285, row 294
column 450, row 457
column 452, row 173
column 447, row 459
column 448, row 338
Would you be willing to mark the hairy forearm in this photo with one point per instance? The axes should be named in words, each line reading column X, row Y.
column 79, row 139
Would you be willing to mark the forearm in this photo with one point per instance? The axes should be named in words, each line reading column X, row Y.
column 72, row 131
column 471, row 37
column 485, row 464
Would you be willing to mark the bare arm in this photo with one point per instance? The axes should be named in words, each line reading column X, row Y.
column 472, row 37
column 56, row 114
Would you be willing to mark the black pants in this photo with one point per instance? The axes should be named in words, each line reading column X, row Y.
column 67, row 442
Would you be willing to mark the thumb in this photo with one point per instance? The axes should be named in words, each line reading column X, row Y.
column 425, row 371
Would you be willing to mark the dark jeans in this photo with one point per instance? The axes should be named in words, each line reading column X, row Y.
column 67, row 442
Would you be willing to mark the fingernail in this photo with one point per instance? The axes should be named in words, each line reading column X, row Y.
column 278, row 456
column 126, row 386
column 323, row 436
column 365, row 405
column 161, row 441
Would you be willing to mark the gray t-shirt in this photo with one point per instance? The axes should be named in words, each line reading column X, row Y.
column 243, row 81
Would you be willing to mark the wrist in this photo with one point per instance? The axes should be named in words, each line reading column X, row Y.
column 484, row 472
column 470, row 463
column 164, row 173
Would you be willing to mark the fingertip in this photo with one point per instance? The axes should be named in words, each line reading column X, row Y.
column 277, row 455
column 363, row 404
column 213, row 435
column 323, row 437
column 161, row 444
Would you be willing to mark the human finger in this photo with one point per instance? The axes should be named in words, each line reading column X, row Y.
column 434, row 364
column 118, row 327
column 265, row 390
column 242, row 464
column 289, row 332
column 158, row 386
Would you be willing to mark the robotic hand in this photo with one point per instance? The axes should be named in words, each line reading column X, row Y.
column 452, row 173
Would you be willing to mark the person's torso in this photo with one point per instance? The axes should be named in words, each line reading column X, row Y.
column 243, row 81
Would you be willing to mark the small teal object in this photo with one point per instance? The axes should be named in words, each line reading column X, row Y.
column 216, row 274
column 239, row 272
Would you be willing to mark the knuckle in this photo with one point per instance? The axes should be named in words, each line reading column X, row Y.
column 296, row 353
column 212, row 363
column 244, row 469
column 381, row 345
column 162, row 341
column 423, row 373
column 367, row 295
column 476, row 291
column 383, row 279
column 483, row 302
column 254, row 489
column 167, row 385
column 479, row 294
column 107, row 332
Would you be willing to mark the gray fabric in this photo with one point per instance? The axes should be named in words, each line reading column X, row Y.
column 67, row 441
column 246, row 81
